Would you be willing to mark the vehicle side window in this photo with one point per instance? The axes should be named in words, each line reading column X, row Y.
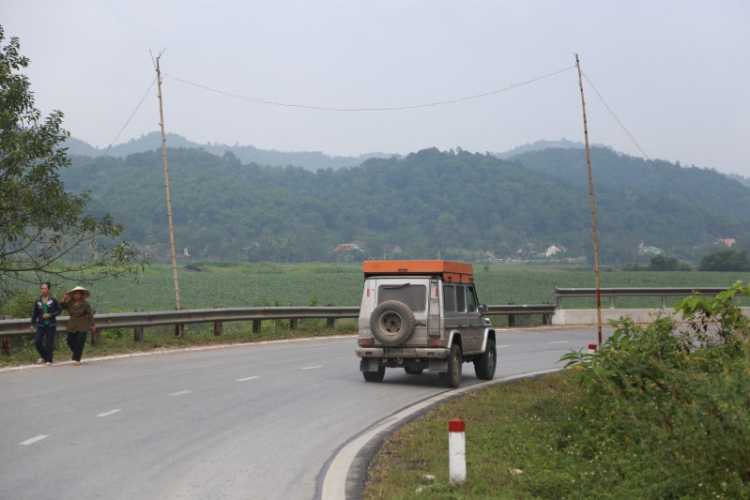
column 449, row 298
column 460, row 299
column 471, row 299
column 414, row 296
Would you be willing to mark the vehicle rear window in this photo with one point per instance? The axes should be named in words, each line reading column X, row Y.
column 414, row 296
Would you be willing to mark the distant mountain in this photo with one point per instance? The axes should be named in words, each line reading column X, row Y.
column 309, row 160
column 539, row 146
column 745, row 181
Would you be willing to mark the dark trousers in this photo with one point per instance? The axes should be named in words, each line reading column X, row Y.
column 76, row 341
column 44, row 340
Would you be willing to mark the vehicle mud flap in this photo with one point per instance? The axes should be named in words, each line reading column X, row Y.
column 369, row 364
column 437, row 365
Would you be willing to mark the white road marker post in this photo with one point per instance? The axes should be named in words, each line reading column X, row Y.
column 457, row 450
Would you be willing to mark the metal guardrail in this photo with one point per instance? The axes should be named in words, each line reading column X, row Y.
column 140, row 320
column 221, row 315
column 558, row 294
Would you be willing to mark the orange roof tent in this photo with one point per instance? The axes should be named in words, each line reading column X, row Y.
column 450, row 271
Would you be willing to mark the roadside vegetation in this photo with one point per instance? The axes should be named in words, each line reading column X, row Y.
column 657, row 412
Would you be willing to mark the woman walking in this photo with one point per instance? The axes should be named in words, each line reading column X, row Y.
column 81, row 320
column 46, row 309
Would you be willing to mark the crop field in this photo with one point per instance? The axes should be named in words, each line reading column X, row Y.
column 246, row 285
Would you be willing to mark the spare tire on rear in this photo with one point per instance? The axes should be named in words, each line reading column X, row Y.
column 392, row 322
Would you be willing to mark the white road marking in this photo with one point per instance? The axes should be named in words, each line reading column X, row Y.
column 108, row 413
column 246, row 379
column 180, row 393
column 34, row 440
column 312, row 367
column 506, row 345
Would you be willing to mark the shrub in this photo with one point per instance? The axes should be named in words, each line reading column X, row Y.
column 676, row 399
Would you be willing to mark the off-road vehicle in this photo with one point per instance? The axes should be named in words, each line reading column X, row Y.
column 419, row 315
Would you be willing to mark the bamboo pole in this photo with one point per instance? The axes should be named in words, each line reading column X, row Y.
column 593, row 207
column 178, row 332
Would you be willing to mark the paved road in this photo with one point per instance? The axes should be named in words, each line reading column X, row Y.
column 260, row 421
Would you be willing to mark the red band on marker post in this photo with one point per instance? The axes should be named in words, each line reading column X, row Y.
column 456, row 425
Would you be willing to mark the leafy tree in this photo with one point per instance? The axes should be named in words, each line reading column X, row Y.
column 667, row 263
column 43, row 228
column 725, row 260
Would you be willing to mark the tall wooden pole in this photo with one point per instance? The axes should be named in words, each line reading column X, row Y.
column 169, row 199
column 593, row 207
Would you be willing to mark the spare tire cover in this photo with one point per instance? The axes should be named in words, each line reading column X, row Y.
column 392, row 322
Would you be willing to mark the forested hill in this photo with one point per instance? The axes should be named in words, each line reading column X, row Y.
column 426, row 204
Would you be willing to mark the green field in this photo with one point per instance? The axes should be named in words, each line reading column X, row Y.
column 224, row 284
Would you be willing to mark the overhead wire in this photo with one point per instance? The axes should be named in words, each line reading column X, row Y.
column 657, row 167
column 111, row 144
column 395, row 108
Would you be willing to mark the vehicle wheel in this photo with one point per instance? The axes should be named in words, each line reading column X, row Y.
column 413, row 371
column 392, row 322
column 485, row 365
column 375, row 376
column 452, row 377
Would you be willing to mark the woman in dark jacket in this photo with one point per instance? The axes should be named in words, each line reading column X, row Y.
column 43, row 317
column 80, row 322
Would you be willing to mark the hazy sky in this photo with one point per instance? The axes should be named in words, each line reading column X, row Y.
column 675, row 73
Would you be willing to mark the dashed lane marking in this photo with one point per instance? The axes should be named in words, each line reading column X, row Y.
column 108, row 413
column 33, row 440
column 246, row 379
column 180, row 393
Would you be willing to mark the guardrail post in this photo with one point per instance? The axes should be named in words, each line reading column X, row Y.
column 545, row 319
column 218, row 325
column 611, row 301
column 256, row 326
column 663, row 301
column 7, row 348
column 330, row 322
column 292, row 323
column 179, row 330
column 138, row 330
column 96, row 335
column 511, row 320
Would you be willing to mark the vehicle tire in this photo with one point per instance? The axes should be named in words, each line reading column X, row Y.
column 375, row 376
column 485, row 365
column 413, row 371
column 452, row 378
column 392, row 322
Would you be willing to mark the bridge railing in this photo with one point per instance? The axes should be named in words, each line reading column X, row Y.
column 558, row 294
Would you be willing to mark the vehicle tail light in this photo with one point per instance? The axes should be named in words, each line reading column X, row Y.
column 364, row 342
column 433, row 342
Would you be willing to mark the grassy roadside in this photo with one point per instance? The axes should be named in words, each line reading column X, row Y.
column 512, row 444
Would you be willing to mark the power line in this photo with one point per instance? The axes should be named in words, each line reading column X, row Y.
column 398, row 108
column 106, row 152
column 659, row 169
